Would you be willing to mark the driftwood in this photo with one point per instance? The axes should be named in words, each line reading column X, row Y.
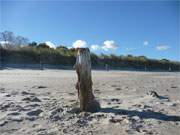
column 84, row 83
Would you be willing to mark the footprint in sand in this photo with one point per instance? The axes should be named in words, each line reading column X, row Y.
column 173, row 86
column 35, row 112
column 71, row 93
column 31, row 99
column 2, row 123
column 72, row 100
column 2, row 90
column 14, row 113
column 97, row 91
column 14, row 93
column 113, row 100
column 113, row 85
column 29, row 107
column 39, row 87
column 27, row 93
column 118, row 89
column 8, row 95
column 4, row 106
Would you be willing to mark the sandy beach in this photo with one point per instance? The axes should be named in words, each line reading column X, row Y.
column 44, row 102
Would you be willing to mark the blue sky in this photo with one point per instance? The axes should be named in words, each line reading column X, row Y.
column 149, row 28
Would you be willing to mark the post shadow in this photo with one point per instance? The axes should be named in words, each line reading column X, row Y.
column 145, row 114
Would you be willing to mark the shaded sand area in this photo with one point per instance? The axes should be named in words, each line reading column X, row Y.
column 34, row 102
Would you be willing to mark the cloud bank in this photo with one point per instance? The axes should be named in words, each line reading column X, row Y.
column 107, row 45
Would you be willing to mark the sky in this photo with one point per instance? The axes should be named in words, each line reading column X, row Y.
column 149, row 28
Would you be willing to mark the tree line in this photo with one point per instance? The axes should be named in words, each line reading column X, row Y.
column 18, row 50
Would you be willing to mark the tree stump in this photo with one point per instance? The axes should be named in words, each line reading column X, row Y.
column 84, row 84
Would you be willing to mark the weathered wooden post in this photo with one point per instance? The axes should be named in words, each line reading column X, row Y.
column 84, row 84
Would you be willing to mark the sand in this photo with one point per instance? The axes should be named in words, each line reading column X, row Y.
column 43, row 102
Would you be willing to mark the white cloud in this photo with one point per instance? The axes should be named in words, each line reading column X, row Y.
column 50, row 44
column 79, row 44
column 109, row 44
column 162, row 47
column 95, row 47
column 146, row 43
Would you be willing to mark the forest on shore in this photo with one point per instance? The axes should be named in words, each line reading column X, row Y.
column 17, row 50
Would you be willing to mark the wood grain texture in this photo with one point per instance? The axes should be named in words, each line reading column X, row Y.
column 84, row 83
